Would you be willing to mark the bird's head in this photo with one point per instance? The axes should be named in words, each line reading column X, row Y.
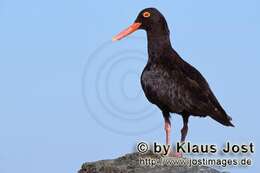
column 150, row 20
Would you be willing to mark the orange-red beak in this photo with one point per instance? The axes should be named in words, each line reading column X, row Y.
column 132, row 28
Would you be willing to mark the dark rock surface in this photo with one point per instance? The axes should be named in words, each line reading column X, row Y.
column 142, row 163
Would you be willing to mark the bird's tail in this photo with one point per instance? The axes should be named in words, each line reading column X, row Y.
column 222, row 118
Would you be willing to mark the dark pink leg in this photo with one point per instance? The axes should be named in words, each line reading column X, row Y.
column 184, row 129
column 167, row 127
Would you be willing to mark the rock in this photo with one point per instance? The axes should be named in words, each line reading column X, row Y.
column 143, row 163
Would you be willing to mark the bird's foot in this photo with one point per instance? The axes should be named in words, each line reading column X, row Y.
column 178, row 154
column 173, row 153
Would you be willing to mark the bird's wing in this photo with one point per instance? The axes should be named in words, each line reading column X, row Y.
column 201, row 98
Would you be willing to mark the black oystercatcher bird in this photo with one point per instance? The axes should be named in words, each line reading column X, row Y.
column 168, row 81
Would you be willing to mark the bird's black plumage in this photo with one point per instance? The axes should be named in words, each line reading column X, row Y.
column 168, row 81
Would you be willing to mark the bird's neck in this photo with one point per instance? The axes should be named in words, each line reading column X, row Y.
column 158, row 46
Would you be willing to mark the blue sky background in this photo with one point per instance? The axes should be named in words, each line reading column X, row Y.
column 68, row 95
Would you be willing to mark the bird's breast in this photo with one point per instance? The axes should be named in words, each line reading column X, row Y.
column 159, row 86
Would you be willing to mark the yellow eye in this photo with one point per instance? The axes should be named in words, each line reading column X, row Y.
column 146, row 14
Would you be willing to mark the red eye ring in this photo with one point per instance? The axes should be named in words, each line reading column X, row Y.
column 146, row 14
